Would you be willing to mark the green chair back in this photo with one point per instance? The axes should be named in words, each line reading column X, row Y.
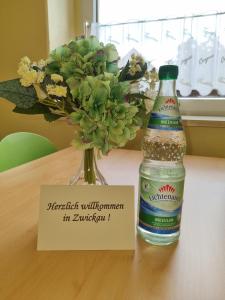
column 21, row 147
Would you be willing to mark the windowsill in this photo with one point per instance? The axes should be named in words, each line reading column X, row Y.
column 204, row 121
column 205, row 107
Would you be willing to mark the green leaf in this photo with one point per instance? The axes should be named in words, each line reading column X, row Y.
column 73, row 84
column 23, row 97
column 50, row 117
column 124, row 72
column 112, row 67
column 125, row 75
column 119, row 90
column 135, row 96
column 53, row 68
column 76, row 116
column 62, row 53
column 85, row 46
column 38, row 108
column 111, row 53
column 69, row 69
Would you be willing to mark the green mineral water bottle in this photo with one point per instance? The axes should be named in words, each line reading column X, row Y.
column 161, row 179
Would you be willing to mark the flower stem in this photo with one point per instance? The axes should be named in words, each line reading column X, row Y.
column 89, row 172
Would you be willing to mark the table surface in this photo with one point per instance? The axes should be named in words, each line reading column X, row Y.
column 192, row 269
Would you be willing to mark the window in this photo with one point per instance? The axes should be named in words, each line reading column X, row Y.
column 190, row 34
column 128, row 10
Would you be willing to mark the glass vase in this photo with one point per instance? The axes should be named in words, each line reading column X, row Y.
column 88, row 172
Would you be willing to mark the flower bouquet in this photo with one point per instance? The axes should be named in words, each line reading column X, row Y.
column 82, row 82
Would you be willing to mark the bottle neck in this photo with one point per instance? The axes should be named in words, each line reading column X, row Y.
column 165, row 114
column 167, row 88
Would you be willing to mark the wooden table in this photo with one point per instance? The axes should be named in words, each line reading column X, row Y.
column 193, row 269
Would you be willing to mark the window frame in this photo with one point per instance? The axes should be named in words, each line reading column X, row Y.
column 189, row 106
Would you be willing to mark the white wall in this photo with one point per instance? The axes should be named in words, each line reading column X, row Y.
column 60, row 22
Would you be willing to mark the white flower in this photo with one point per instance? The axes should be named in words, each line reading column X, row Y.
column 148, row 105
column 56, row 90
column 25, row 83
column 29, row 78
column 41, row 63
column 24, row 66
column 25, row 60
column 28, row 75
column 23, row 69
column 40, row 76
column 56, row 78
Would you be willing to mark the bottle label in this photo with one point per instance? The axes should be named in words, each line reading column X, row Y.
column 160, row 205
column 165, row 114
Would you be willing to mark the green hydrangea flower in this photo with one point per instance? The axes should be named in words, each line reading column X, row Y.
column 81, row 81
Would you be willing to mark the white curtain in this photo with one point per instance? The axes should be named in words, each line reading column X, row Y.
column 196, row 44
